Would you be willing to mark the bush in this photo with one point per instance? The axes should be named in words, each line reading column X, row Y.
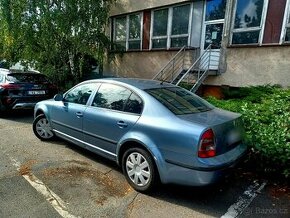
column 267, row 122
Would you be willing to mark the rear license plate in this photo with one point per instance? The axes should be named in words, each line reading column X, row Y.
column 38, row 92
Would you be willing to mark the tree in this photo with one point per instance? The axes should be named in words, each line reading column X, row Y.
column 59, row 37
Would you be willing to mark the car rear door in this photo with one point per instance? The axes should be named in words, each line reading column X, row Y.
column 113, row 112
column 67, row 115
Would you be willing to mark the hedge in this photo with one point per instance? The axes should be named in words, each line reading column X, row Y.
column 266, row 116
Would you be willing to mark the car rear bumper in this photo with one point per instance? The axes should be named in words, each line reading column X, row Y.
column 13, row 103
column 198, row 176
column 23, row 106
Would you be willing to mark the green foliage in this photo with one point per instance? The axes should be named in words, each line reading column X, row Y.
column 267, row 121
column 60, row 38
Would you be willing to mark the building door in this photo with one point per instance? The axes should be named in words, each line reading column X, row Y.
column 212, row 32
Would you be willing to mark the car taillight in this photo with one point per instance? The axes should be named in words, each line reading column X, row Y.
column 207, row 147
column 9, row 86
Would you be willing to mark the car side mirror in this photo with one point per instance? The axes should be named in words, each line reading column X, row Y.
column 58, row 97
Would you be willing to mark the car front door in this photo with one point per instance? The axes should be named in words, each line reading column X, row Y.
column 113, row 112
column 67, row 115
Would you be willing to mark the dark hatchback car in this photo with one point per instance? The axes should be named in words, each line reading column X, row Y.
column 22, row 90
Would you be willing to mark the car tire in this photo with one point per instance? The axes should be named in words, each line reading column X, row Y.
column 139, row 169
column 42, row 128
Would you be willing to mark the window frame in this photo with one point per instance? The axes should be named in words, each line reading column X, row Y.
column 169, row 35
column 119, row 111
column 286, row 24
column 261, row 28
column 97, row 86
column 127, row 40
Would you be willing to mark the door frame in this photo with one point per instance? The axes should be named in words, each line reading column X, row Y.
column 216, row 52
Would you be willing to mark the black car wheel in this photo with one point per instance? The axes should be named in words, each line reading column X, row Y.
column 42, row 128
column 139, row 169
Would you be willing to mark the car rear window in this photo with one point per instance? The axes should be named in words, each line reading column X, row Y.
column 26, row 78
column 180, row 101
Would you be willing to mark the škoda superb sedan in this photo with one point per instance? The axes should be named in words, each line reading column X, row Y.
column 154, row 130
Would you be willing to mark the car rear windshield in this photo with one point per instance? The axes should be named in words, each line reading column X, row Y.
column 27, row 78
column 180, row 101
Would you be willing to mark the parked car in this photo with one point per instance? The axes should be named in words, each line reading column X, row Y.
column 154, row 130
column 23, row 89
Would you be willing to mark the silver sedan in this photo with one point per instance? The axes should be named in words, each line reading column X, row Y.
column 154, row 130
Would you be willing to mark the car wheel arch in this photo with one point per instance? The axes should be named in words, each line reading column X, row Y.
column 156, row 155
column 41, row 109
column 38, row 112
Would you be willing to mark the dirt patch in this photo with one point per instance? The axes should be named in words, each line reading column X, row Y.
column 112, row 187
column 278, row 191
column 101, row 200
column 79, row 162
column 25, row 169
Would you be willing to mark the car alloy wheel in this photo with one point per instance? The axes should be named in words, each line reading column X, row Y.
column 42, row 128
column 139, row 169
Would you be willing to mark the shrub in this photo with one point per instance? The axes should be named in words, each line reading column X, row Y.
column 267, row 122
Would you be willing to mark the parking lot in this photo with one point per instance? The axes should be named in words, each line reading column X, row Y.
column 58, row 179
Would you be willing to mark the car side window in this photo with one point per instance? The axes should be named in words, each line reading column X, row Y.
column 111, row 97
column 80, row 94
column 134, row 104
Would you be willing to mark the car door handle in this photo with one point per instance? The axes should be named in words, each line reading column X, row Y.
column 79, row 114
column 122, row 124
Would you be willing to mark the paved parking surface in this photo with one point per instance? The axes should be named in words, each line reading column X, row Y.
column 58, row 179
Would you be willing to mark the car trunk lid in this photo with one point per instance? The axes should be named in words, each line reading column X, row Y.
column 227, row 127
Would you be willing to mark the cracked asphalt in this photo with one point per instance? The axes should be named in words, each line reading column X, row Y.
column 86, row 185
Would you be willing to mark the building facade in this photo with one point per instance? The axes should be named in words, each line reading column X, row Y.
column 250, row 39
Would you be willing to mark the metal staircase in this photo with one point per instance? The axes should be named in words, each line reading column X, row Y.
column 177, row 71
column 171, row 71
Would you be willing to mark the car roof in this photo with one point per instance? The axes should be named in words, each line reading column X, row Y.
column 140, row 83
column 7, row 71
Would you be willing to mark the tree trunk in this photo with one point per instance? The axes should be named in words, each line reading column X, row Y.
column 72, row 66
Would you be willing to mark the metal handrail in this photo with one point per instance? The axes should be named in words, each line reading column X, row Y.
column 168, row 63
column 193, row 65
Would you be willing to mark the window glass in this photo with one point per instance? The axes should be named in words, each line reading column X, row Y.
column 160, row 22
column 27, row 78
column 213, row 35
column 246, row 37
column 248, row 13
column 135, row 31
column 247, row 23
column 112, row 97
column 134, row 104
column 134, row 26
column 179, row 42
column 180, row 101
column 120, row 33
column 180, row 20
column 80, row 94
column 124, row 39
column 215, row 10
column 159, row 43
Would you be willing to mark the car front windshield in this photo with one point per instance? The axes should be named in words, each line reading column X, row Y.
column 26, row 78
column 180, row 101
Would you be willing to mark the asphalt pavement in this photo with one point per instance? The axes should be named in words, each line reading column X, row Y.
column 59, row 179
